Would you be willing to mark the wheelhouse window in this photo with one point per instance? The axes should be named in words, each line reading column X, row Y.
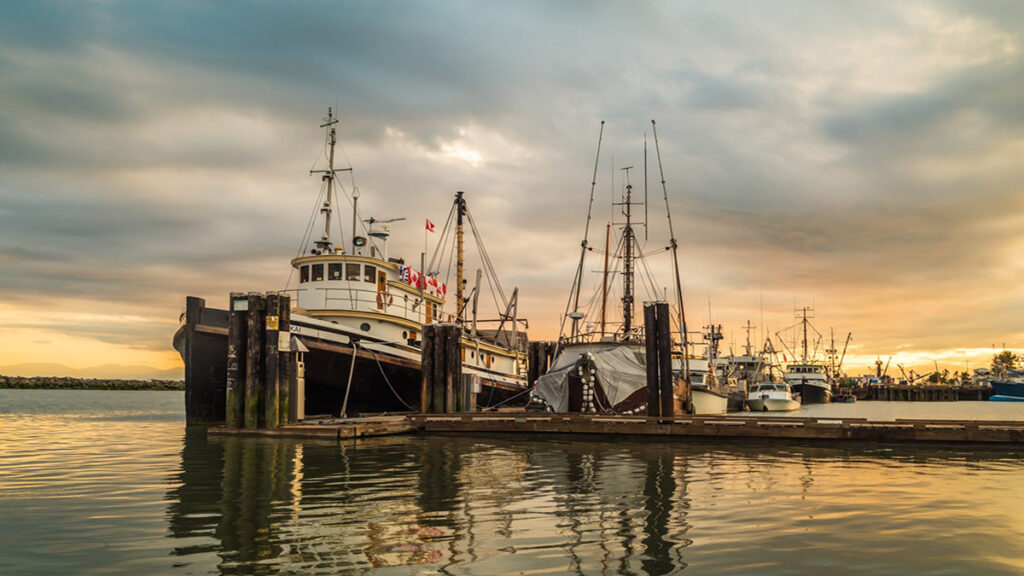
column 352, row 271
column 304, row 274
column 318, row 272
column 369, row 273
column 334, row 271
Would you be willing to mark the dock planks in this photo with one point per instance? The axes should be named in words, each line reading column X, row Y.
column 724, row 426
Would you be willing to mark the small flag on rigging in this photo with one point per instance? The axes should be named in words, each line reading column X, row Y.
column 430, row 225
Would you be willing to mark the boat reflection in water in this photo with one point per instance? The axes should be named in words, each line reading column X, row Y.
column 268, row 506
column 550, row 505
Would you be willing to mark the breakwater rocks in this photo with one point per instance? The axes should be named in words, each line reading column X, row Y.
column 65, row 383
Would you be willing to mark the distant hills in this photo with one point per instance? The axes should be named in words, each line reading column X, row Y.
column 103, row 371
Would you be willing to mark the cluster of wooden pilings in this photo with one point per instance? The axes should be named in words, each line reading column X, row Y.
column 660, row 384
column 261, row 367
column 444, row 389
column 539, row 356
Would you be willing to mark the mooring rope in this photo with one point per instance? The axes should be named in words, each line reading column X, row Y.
column 388, row 382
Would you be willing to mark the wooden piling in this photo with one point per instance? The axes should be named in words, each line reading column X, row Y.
column 653, row 371
column 253, row 359
column 453, row 368
column 437, row 372
column 427, row 370
column 285, row 366
column 270, row 383
column 666, row 393
column 235, row 389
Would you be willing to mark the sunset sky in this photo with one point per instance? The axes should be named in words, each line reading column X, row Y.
column 866, row 159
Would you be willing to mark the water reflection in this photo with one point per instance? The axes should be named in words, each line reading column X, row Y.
column 456, row 505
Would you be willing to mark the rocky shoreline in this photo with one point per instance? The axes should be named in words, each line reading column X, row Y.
column 66, row 383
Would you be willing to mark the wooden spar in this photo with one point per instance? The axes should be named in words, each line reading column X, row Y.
column 270, row 381
column 460, row 207
column 604, row 278
column 285, row 366
column 235, row 389
column 667, row 392
column 253, row 357
column 574, row 295
column 651, row 349
column 683, row 333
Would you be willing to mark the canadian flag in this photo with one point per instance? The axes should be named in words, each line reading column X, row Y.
column 430, row 225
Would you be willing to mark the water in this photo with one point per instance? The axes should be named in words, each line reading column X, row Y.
column 112, row 483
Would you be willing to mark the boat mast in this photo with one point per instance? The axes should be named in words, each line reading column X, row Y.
column 627, row 265
column 683, row 335
column 324, row 243
column 604, row 278
column 460, row 211
column 572, row 307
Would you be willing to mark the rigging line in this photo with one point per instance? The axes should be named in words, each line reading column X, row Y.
column 388, row 382
column 486, row 259
column 442, row 241
column 509, row 399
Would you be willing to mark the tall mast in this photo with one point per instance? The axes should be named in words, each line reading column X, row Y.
column 604, row 278
column 804, row 324
column 627, row 265
column 748, row 346
column 683, row 335
column 460, row 211
column 324, row 243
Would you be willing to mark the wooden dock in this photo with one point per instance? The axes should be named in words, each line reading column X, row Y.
column 725, row 426
column 335, row 429
column 838, row 429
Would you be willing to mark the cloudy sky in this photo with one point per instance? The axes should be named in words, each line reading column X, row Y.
column 861, row 158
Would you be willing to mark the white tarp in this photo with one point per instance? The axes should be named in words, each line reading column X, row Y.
column 620, row 370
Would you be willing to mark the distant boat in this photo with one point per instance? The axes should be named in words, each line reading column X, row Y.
column 807, row 376
column 772, row 397
column 1009, row 390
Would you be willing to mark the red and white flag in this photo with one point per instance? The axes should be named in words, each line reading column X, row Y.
column 430, row 225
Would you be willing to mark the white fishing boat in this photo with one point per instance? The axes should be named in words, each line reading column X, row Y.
column 772, row 397
column 358, row 314
column 806, row 375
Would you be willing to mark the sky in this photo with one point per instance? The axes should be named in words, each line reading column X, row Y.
column 861, row 158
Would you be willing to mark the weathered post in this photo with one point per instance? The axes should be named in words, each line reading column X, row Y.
column 270, row 384
column 427, row 369
column 438, row 371
column 253, row 359
column 453, row 369
column 653, row 370
column 285, row 368
column 235, row 389
column 667, row 391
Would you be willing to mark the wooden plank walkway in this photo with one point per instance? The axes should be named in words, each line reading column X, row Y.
column 725, row 426
column 340, row 429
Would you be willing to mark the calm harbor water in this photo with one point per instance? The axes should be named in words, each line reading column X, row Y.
column 113, row 483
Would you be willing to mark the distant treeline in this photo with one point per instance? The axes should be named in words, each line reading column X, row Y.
column 65, row 383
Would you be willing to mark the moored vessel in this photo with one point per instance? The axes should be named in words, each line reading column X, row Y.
column 358, row 316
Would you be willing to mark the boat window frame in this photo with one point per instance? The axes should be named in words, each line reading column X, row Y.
column 349, row 268
column 332, row 268
column 316, row 272
column 369, row 273
column 304, row 274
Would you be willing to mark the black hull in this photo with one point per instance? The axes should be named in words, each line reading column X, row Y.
column 381, row 383
column 811, row 394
